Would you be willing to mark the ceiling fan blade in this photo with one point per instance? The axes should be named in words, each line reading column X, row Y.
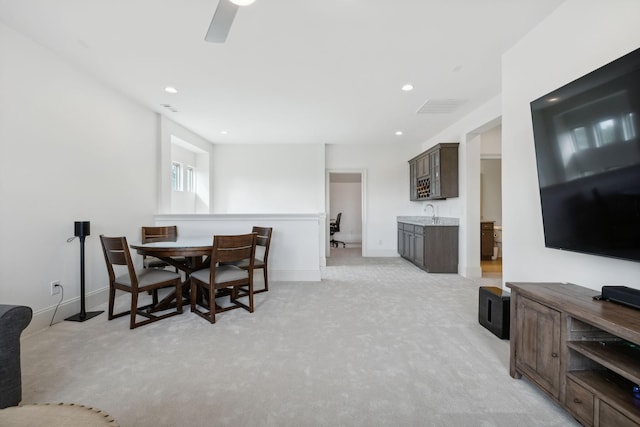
column 221, row 22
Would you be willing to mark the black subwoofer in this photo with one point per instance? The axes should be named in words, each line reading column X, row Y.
column 493, row 310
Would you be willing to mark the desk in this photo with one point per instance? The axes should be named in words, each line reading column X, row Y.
column 192, row 249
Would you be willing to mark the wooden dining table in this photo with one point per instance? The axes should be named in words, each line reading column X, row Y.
column 187, row 254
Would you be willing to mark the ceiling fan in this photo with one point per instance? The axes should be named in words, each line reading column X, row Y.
column 223, row 18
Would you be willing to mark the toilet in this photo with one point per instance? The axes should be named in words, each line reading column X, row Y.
column 497, row 242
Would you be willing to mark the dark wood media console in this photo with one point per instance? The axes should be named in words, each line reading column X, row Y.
column 584, row 354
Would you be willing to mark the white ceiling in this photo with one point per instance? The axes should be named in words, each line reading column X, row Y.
column 291, row 71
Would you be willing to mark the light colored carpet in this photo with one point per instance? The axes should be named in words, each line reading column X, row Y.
column 377, row 342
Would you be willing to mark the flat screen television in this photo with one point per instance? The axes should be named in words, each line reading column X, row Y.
column 587, row 145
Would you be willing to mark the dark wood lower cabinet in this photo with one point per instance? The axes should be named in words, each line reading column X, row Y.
column 433, row 248
column 486, row 239
column 585, row 354
column 538, row 352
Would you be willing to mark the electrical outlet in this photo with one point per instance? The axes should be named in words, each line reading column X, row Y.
column 55, row 287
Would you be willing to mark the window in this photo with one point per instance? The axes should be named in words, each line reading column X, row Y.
column 628, row 129
column 580, row 138
column 190, row 179
column 183, row 178
column 176, row 176
column 606, row 131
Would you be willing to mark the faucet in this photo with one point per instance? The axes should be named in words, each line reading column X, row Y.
column 433, row 210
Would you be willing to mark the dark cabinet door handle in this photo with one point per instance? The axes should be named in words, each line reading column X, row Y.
column 554, row 354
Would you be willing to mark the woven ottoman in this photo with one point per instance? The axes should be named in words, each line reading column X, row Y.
column 55, row 415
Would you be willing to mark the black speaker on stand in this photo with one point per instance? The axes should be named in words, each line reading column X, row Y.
column 82, row 230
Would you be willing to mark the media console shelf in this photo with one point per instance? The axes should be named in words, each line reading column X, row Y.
column 584, row 354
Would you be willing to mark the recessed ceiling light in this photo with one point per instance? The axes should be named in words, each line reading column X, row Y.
column 398, row 132
column 224, row 132
column 242, row 2
column 407, row 87
column 170, row 89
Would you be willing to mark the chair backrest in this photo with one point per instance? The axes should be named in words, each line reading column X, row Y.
column 337, row 225
column 116, row 252
column 263, row 242
column 232, row 249
column 160, row 234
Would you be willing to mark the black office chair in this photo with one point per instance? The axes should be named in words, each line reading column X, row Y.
column 334, row 227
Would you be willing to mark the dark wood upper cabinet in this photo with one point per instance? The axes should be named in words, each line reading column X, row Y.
column 434, row 173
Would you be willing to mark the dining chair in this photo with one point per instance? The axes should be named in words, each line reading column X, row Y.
column 158, row 234
column 116, row 253
column 223, row 277
column 263, row 242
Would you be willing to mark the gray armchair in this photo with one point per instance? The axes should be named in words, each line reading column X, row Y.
column 13, row 320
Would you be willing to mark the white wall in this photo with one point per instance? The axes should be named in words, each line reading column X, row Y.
column 469, row 133
column 70, row 149
column 577, row 38
column 491, row 145
column 491, row 190
column 386, row 189
column 268, row 178
column 491, row 175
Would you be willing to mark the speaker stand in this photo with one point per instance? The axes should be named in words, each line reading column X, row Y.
column 83, row 315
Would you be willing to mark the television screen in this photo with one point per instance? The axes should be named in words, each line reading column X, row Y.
column 587, row 146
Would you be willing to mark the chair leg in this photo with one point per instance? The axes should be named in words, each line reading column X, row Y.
column 193, row 291
column 336, row 243
column 154, row 295
column 212, row 304
column 178, row 296
column 266, row 278
column 266, row 283
column 112, row 297
column 134, row 310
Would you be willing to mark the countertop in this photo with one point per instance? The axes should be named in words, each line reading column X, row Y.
column 428, row 220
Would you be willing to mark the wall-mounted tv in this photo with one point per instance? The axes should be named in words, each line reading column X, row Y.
column 587, row 144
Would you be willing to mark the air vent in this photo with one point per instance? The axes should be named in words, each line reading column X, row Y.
column 169, row 107
column 440, row 106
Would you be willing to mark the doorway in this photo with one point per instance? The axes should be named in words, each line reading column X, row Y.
column 491, row 201
column 345, row 196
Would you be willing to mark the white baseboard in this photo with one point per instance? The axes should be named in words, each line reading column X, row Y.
column 382, row 253
column 294, row 275
column 471, row 272
column 42, row 318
